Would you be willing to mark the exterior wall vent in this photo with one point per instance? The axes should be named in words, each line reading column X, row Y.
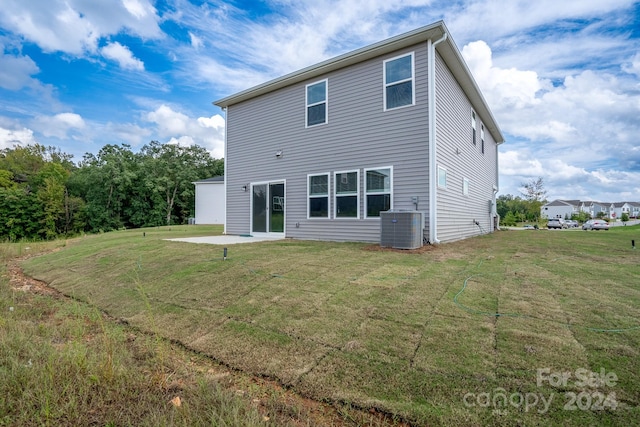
column 401, row 229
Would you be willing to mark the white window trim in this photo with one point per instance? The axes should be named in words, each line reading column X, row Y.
column 412, row 80
column 328, row 196
column 335, row 194
column 444, row 170
column 307, row 105
column 366, row 193
column 465, row 186
column 482, row 138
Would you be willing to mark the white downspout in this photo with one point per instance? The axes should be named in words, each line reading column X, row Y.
column 226, row 205
column 433, row 180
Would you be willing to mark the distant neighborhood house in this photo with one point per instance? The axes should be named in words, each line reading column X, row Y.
column 398, row 125
column 567, row 208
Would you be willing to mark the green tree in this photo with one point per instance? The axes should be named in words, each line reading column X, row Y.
column 535, row 194
column 21, row 212
column 169, row 172
column 6, row 179
column 104, row 181
column 36, row 206
column 624, row 217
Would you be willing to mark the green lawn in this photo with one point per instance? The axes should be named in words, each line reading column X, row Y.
column 436, row 337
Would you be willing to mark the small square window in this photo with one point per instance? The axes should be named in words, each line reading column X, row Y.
column 442, row 177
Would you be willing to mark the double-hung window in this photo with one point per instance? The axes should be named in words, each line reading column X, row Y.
column 482, row 138
column 346, row 186
column 318, row 196
column 399, row 88
column 378, row 189
column 317, row 103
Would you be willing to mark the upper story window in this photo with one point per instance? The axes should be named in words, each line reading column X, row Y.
column 317, row 103
column 398, row 82
column 473, row 126
column 482, row 138
column 346, row 186
column 318, row 192
column 378, row 191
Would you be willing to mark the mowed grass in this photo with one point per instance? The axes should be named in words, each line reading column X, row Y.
column 453, row 335
column 64, row 363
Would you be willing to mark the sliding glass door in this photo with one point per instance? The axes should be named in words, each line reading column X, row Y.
column 267, row 201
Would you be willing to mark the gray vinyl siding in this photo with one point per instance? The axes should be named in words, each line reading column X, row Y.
column 456, row 212
column 359, row 135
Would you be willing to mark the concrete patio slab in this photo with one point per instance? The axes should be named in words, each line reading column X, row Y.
column 225, row 240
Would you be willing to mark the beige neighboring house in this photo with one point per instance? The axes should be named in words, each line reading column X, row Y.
column 210, row 201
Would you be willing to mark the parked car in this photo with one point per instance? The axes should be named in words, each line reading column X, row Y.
column 556, row 223
column 572, row 223
column 595, row 224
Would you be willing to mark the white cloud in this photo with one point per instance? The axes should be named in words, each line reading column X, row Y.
column 16, row 71
column 565, row 181
column 508, row 88
column 59, row 125
column 12, row 137
column 633, row 66
column 299, row 33
column 75, row 26
column 129, row 133
column 178, row 128
column 501, row 18
column 139, row 9
column 196, row 42
column 518, row 163
column 123, row 56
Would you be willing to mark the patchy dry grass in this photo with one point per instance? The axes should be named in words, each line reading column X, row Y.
column 64, row 362
column 435, row 336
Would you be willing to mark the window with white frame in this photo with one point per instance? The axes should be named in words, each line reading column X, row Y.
column 346, row 185
column 317, row 103
column 442, row 177
column 473, row 126
column 378, row 191
column 318, row 196
column 482, row 138
column 465, row 186
column 398, row 82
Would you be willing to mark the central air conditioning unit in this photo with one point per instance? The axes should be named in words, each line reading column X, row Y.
column 401, row 229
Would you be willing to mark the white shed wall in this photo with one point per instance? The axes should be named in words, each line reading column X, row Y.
column 210, row 203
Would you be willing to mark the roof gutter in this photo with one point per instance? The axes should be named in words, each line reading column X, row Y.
column 433, row 180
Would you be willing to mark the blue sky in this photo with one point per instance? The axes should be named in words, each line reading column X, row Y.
column 561, row 77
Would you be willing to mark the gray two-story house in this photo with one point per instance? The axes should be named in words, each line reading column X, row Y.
column 400, row 124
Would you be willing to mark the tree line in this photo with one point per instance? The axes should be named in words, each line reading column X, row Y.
column 526, row 207
column 44, row 194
